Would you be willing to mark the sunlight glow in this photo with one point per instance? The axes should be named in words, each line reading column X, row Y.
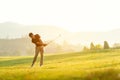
column 73, row 15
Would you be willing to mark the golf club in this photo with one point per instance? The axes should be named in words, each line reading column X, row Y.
column 54, row 39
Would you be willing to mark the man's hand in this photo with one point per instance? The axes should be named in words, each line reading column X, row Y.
column 45, row 44
column 38, row 43
column 41, row 44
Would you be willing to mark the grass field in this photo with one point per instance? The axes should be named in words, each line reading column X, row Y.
column 89, row 65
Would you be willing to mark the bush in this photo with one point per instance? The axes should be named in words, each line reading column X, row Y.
column 106, row 45
column 109, row 74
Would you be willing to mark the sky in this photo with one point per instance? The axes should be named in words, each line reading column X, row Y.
column 72, row 15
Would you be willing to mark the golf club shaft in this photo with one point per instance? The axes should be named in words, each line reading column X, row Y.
column 54, row 39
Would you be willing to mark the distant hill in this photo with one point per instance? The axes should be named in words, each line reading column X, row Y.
column 14, row 39
column 23, row 47
column 14, row 30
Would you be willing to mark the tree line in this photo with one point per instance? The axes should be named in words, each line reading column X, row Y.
column 99, row 46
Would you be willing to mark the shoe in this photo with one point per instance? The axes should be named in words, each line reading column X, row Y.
column 41, row 64
column 32, row 65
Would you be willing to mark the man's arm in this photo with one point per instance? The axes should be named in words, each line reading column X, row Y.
column 40, row 42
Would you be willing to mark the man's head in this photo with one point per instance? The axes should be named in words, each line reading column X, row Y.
column 31, row 35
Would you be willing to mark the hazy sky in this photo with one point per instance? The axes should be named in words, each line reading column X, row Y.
column 74, row 15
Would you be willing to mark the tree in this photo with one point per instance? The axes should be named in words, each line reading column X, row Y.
column 92, row 47
column 106, row 45
column 85, row 48
column 98, row 46
column 116, row 45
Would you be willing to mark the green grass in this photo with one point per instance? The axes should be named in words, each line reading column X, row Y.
column 87, row 65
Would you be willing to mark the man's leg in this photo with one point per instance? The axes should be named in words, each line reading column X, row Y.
column 41, row 54
column 35, row 57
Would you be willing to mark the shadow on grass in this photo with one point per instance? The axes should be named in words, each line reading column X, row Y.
column 15, row 62
column 28, row 60
column 110, row 74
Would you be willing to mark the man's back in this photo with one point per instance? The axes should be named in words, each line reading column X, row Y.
column 37, row 41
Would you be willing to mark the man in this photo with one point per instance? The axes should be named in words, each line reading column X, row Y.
column 39, row 47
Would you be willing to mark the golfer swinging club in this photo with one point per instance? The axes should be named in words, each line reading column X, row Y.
column 36, row 39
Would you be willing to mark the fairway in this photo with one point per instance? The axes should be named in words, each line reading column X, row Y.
column 87, row 65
